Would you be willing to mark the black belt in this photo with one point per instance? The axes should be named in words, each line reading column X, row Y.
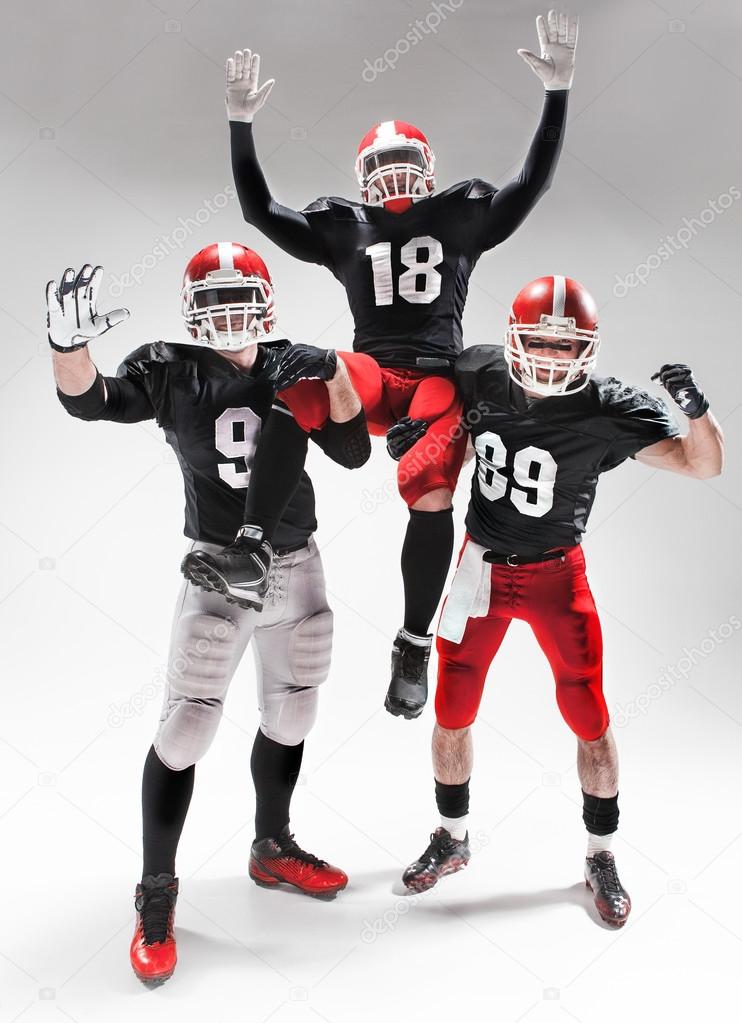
column 513, row 560
column 428, row 362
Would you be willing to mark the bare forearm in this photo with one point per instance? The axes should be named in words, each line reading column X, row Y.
column 74, row 372
column 703, row 447
column 344, row 402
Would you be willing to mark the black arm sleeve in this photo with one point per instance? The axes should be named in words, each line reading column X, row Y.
column 276, row 470
column 286, row 227
column 111, row 399
column 347, row 443
column 509, row 207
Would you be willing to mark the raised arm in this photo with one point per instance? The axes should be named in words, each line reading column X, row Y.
column 72, row 320
column 700, row 453
column 555, row 67
column 284, row 226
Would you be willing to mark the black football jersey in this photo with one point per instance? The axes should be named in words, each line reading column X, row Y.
column 406, row 274
column 538, row 461
column 211, row 413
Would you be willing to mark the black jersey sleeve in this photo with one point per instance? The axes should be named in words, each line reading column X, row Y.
column 135, row 394
column 288, row 228
column 636, row 420
column 502, row 211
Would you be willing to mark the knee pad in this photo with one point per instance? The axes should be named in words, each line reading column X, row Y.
column 288, row 716
column 310, row 649
column 199, row 674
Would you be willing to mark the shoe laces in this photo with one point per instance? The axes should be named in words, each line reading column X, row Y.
column 413, row 660
column 155, row 906
column 441, row 843
column 608, row 876
column 291, row 849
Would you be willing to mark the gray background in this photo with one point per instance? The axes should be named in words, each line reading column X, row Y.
column 112, row 131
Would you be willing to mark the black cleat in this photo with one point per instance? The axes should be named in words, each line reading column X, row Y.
column 408, row 689
column 612, row 901
column 239, row 571
column 445, row 855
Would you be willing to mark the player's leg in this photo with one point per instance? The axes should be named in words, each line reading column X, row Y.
column 472, row 627
column 240, row 571
column 207, row 642
column 426, row 477
column 292, row 654
column 566, row 624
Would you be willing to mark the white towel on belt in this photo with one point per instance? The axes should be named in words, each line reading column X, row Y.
column 470, row 593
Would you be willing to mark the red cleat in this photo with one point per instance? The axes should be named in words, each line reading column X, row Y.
column 153, row 953
column 275, row 861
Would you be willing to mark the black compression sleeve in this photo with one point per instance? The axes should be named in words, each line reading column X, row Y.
column 276, row 471
column 113, row 399
column 347, row 443
column 512, row 204
column 284, row 226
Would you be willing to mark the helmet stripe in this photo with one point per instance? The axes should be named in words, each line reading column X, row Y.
column 560, row 295
column 226, row 256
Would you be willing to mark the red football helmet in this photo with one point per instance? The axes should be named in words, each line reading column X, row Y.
column 560, row 310
column 227, row 297
column 395, row 166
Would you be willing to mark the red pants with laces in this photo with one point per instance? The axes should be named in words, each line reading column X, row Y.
column 387, row 395
column 555, row 599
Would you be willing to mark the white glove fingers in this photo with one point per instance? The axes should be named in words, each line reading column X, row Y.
column 229, row 67
column 574, row 24
column 53, row 303
column 535, row 63
column 563, row 28
column 553, row 26
column 238, row 65
column 93, row 290
column 543, row 37
column 254, row 72
column 65, row 286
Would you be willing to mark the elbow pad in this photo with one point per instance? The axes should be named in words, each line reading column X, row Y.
column 348, row 444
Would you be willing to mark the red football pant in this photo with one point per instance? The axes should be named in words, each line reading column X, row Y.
column 434, row 462
column 555, row 599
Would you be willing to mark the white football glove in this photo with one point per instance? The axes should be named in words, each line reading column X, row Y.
column 72, row 317
column 558, row 38
column 244, row 98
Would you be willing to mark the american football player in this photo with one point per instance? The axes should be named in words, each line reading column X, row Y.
column 404, row 255
column 211, row 397
column 543, row 428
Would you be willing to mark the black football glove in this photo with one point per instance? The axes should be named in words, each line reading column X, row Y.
column 680, row 384
column 403, row 435
column 306, row 362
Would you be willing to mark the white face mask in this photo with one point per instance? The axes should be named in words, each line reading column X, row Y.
column 565, row 375
column 228, row 314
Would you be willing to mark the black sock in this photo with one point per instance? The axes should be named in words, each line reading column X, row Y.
column 275, row 769
column 276, row 471
column 426, row 555
column 166, row 796
column 452, row 800
column 600, row 814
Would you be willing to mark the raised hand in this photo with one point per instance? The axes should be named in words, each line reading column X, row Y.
column 72, row 316
column 244, row 98
column 557, row 36
column 681, row 385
